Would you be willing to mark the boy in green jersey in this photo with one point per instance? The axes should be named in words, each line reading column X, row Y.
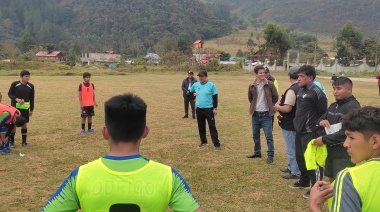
column 124, row 180
column 355, row 188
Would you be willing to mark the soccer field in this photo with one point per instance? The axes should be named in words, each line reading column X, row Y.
column 221, row 181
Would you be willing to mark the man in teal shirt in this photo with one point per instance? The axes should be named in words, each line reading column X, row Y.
column 207, row 103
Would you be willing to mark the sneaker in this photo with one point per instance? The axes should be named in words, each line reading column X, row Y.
column 300, row 185
column 202, row 145
column 24, row 144
column 306, row 195
column 2, row 152
column 285, row 170
column 269, row 159
column 217, row 148
column 82, row 132
column 12, row 144
column 91, row 130
column 185, row 117
column 290, row 176
column 255, row 155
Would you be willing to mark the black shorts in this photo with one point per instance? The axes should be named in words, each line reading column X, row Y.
column 335, row 165
column 88, row 111
column 25, row 114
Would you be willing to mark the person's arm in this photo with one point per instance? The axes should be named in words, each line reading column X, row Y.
column 184, row 88
column 250, row 96
column 274, row 94
column 11, row 92
column 80, row 96
column 4, row 116
column 181, row 198
column 31, row 101
column 95, row 103
column 319, row 193
column 290, row 101
column 346, row 198
column 65, row 198
column 321, row 102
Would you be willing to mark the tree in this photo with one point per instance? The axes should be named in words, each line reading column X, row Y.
column 250, row 45
column 8, row 50
column 277, row 39
column 27, row 42
column 349, row 44
column 224, row 56
column 239, row 53
column 184, row 43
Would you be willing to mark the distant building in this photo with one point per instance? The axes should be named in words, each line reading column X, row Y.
column 152, row 59
column 100, row 58
column 50, row 56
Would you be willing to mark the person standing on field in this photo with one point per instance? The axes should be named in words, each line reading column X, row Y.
column 124, row 180
column 87, row 101
column 188, row 97
column 21, row 94
column 262, row 95
column 207, row 103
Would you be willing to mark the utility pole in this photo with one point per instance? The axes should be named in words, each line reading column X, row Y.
column 315, row 49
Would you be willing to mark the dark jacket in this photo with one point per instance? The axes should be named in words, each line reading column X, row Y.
column 270, row 93
column 285, row 120
column 311, row 104
column 185, row 85
column 334, row 115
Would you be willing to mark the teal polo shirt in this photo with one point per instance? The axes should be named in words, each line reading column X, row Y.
column 204, row 94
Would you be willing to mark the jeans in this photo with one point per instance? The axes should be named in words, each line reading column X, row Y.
column 262, row 121
column 290, row 147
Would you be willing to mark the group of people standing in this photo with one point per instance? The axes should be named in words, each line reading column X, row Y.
column 21, row 93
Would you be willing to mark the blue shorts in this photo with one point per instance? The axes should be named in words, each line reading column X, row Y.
column 3, row 130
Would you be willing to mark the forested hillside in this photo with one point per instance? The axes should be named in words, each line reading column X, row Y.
column 129, row 27
column 319, row 16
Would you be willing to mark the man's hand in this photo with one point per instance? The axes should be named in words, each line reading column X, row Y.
column 96, row 104
column 276, row 106
column 324, row 123
column 187, row 92
column 20, row 101
column 318, row 141
column 319, row 193
column 30, row 113
column 215, row 112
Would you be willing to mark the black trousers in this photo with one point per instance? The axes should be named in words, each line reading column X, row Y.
column 204, row 114
column 301, row 144
column 186, row 100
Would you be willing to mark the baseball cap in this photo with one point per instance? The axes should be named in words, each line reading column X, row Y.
column 202, row 73
column 190, row 72
column 293, row 72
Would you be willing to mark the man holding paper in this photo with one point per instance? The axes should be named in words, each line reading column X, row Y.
column 337, row 158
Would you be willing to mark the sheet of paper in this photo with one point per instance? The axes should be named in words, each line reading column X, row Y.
column 333, row 128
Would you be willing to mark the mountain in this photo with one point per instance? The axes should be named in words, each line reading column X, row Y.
column 317, row 16
column 129, row 27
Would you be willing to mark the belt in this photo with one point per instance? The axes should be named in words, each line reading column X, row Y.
column 261, row 112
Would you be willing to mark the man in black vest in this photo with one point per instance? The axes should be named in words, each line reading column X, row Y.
column 287, row 109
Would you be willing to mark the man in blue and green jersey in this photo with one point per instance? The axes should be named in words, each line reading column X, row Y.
column 355, row 188
column 207, row 103
column 124, row 180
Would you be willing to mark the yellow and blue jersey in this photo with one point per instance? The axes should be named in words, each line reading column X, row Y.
column 123, row 183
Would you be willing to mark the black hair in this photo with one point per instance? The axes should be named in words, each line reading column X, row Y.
column 257, row 68
column 125, row 117
column 293, row 75
column 86, row 74
column 365, row 120
column 308, row 70
column 20, row 121
column 342, row 81
column 24, row 72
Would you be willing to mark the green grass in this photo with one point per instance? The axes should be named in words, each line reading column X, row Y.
column 221, row 181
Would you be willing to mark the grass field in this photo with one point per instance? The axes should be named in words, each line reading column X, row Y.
column 221, row 181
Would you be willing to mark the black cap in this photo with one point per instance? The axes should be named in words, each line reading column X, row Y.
column 202, row 73
column 190, row 72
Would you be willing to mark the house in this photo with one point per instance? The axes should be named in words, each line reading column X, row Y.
column 100, row 58
column 256, row 56
column 50, row 56
column 152, row 59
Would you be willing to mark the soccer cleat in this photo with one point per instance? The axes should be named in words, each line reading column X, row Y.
column 12, row 145
column 24, row 144
column 306, row 195
column 82, row 132
column 91, row 130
